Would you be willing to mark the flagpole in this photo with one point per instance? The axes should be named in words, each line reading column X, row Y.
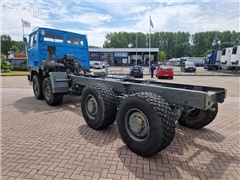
column 149, row 41
column 25, row 47
column 136, row 49
column 22, row 27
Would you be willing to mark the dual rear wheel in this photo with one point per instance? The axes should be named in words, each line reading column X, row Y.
column 145, row 121
column 42, row 89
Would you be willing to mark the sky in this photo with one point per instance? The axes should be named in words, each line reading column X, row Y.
column 97, row 18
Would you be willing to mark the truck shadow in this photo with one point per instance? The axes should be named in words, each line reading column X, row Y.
column 32, row 105
column 99, row 138
column 192, row 154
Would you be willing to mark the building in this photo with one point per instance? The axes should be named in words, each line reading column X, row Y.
column 18, row 59
column 124, row 56
column 114, row 56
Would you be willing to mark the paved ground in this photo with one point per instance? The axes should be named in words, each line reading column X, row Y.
column 43, row 142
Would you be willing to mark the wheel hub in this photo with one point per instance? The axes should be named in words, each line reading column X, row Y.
column 47, row 92
column 138, row 124
column 92, row 106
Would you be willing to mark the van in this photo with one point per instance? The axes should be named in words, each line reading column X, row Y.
column 188, row 66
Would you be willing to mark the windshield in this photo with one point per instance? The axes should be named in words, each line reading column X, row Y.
column 136, row 68
column 189, row 63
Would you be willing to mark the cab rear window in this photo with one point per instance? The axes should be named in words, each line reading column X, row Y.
column 75, row 40
column 166, row 68
column 53, row 38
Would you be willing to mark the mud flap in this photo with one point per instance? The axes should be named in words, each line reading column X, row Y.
column 59, row 82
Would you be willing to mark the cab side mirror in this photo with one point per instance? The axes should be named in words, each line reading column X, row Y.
column 25, row 40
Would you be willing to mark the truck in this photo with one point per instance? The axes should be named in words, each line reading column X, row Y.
column 145, row 111
column 213, row 60
column 198, row 61
column 230, row 58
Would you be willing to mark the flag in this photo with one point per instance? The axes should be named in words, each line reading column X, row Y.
column 151, row 23
column 25, row 23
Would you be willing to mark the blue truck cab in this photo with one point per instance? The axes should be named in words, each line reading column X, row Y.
column 56, row 54
column 64, row 42
column 213, row 60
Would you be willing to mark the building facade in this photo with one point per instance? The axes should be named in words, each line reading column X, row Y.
column 114, row 57
column 124, row 56
column 18, row 59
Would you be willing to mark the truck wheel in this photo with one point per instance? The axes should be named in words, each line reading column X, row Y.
column 98, row 105
column 146, row 123
column 199, row 118
column 37, row 86
column 51, row 98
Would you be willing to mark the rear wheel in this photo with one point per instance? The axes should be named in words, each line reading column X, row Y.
column 51, row 98
column 146, row 123
column 199, row 118
column 37, row 86
column 98, row 105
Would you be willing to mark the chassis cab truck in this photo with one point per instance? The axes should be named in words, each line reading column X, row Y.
column 145, row 111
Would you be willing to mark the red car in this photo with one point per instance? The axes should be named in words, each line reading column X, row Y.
column 164, row 71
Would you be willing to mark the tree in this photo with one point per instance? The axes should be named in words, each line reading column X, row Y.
column 5, row 65
column 90, row 46
column 14, row 48
column 227, row 44
column 207, row 52
column 19, row 44
column 6, row 44
column 162, row 56
column 116, row 40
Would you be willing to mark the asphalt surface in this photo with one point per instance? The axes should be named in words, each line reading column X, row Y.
column 43, row 142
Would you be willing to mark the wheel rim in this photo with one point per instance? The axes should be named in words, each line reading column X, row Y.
column 137, row 124
column 35, row 87
column 47, row 92
column 92, row 106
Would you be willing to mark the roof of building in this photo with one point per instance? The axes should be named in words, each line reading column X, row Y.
column 123, row 49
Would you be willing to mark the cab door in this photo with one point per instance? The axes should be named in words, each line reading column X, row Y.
column 33, row 53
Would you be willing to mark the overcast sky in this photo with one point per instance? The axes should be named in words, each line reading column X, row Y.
column 96, row 18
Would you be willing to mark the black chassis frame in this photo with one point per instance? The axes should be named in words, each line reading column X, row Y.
column 191, row 96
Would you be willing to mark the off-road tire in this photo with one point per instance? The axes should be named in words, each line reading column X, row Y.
column 104, row 102
column 159, row 120
column 199, row 118
column 37, row 86
column 52, row 99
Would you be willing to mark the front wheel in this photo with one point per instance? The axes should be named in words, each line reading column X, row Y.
column 51, row 98
column 37, row 86
column 199, row 118
column 146, row 123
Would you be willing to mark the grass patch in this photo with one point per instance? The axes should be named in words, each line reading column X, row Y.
column 15, row 73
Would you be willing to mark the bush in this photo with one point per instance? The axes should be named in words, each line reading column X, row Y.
column 5, row 65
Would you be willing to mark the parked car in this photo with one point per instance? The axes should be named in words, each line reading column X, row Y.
column 164, row 72
column 103, row 63
column 97, row 65
column 136, row 71
column 92, row 63
column 188, row 66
